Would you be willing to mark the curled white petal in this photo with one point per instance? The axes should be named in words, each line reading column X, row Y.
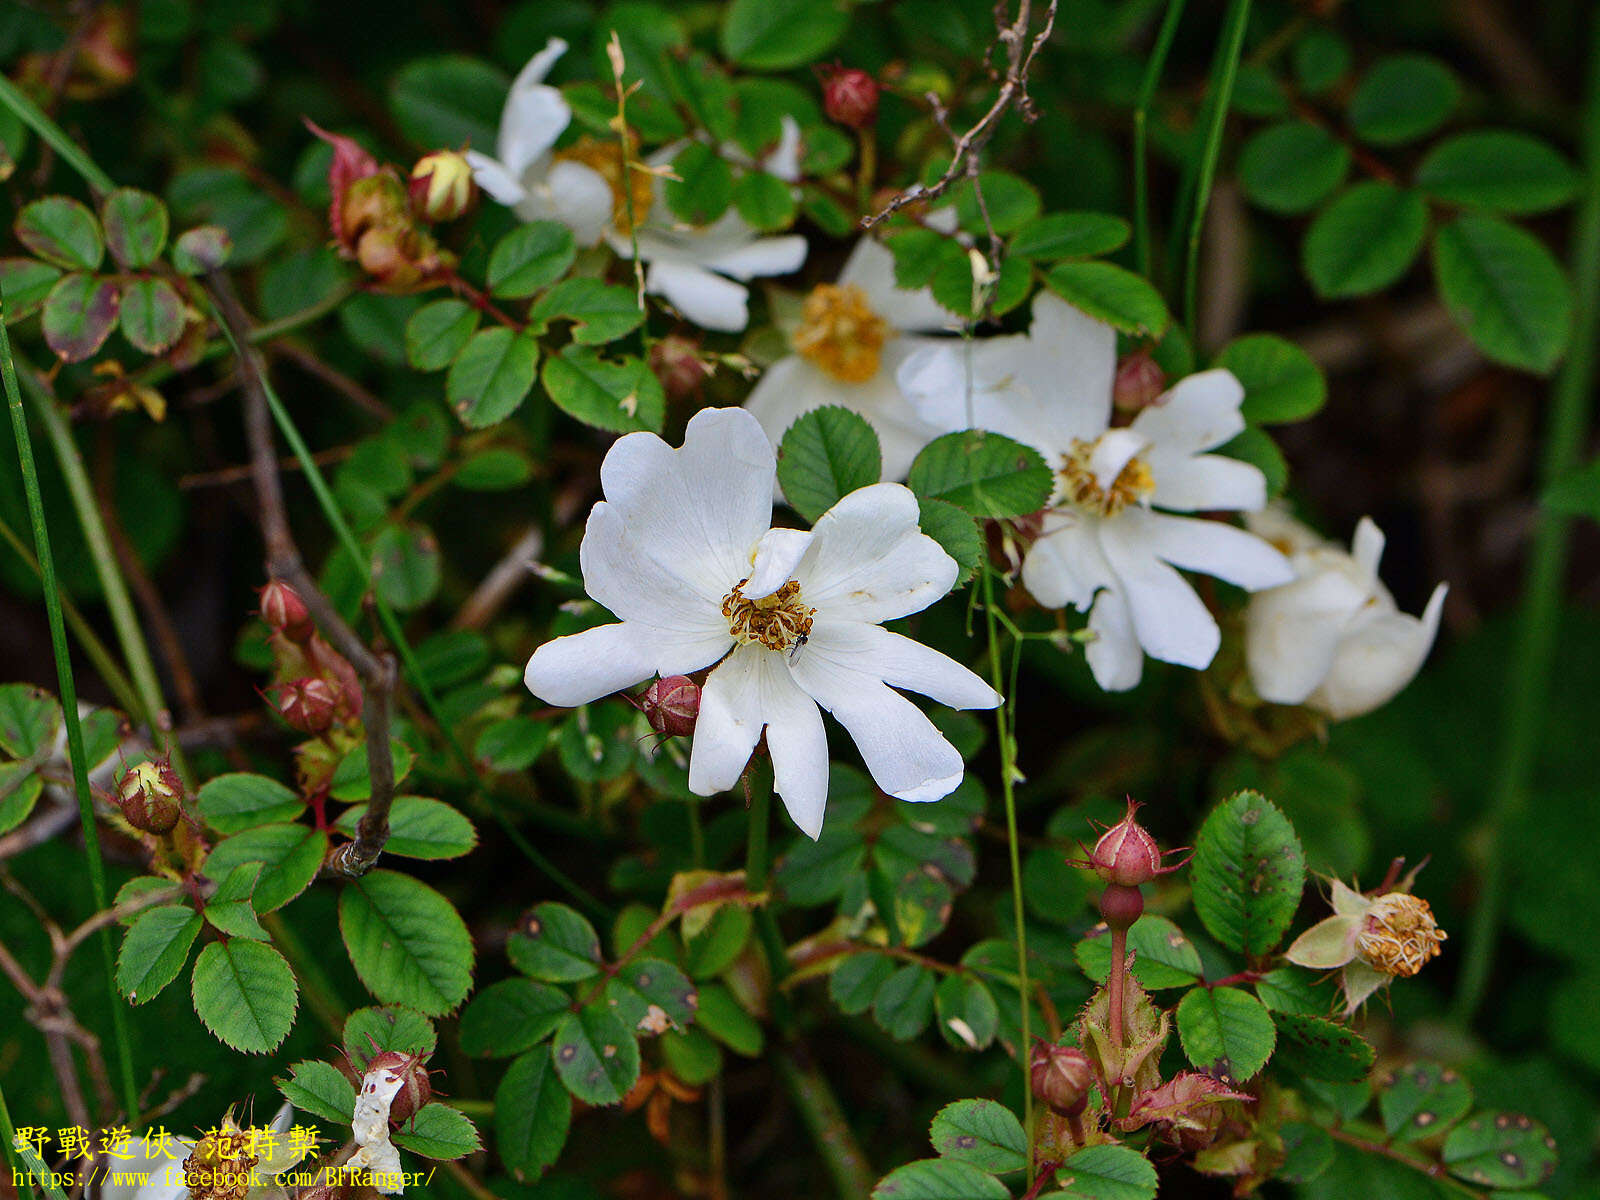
column 870, row 561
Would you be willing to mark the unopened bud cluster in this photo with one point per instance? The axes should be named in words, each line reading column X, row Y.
column 150, row 795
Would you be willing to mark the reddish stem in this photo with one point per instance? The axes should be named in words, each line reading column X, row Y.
column 1237, row 977
column 1115, row 984
column 481, row 302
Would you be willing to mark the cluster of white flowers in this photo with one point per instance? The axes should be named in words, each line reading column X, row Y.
column 682, row 548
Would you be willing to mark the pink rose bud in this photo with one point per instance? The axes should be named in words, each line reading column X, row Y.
column 850, row 97
column 671, row 705
column 1140, row 382
column 351, row 163
column 1061, row 1076
column 308, row 705
column 1126, row 854
column 415, row 1090
column 282, row 608
column 151, row 796
column 442, row 187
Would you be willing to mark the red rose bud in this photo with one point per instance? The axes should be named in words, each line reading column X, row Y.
column 282, row 608
column 1140, row 382
column 308, row 705
column 671, row 705
column 850, row 97
column 1061, row 1076
column 1126, row 854
column 677, row 363
column 415, row 1090
column 151, row 796
column 442, row 187
column 350, row 164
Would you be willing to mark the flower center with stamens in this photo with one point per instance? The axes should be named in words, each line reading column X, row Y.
column 1079, row 486
column 840, row 333
column 1399, row 935
column 605, row 160
column 776, row 621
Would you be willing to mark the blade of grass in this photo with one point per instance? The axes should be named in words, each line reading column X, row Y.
column 24, row 1159
column 1224, row 71
column 39, row 121
column 1141, row 116
column 69, row 709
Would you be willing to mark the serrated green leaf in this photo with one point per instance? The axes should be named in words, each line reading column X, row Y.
column 986, row 474
column 1009, row 203
column 79, row 314
column 555, row 943
column 984, row 1133
column 1505, row 289
column 721, row 1015
column 1402, row 98
column 1365, row 240
column 530, row 258
column 652, row 996
column 919, row 253
column 532, row 1115
column 511, row 1016
column 419, row 828
column 240, row 800
column 1292, row 166
column 621, row 396
column 956, row 532
column 774, row 37
column 1318, row 1048
column 1421, row 1099
column 406, row 566
column 291, row 855
column 1105, row 1173
column 1108, row 293
column 952, row 287
column 154, row 950
column 230, row 908
column 825, row 455
column 1248, row 872
column 24, row 283
column 62, row 231
column 967, row 1012
column 439, row 1132
column 352, row 778
column 512, row 744
column 1070, row 235
column 246, row 994
column 939, row 1179
column 1500, row 1149
column 496, row 469
column 135, row 225
column 595, row 1055
column 436, row 333
column 1499, row 170
column 29, row 718
column 491, row 376
column 1164, row 957
column 600, row 312
column 1225, row 1032
column 321, row 1089
column 903, row 1005
column 766, row 202
column 373, row 1029
column 1294, row 990
column 1308, row 1152
column 856, row 980
column 703, row 188
column 1281, row 381
column 406, row 942
column 448, row 100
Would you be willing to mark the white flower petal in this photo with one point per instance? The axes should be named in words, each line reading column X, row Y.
column 1210, row 547
column 1114, row 655
column 900, row 662
column 705, row 298
column 577, row 196
column 1209, row 482
column 1377, row 660
column 871, row 562
column 1114, row 450
column 777, row 556
column 535, row 114
column 1171, row 622
column 585, row 666
column 786, row 391
column 870, row 267
column 783, row 161
column 703, row 507
column 1366, row 548
column 1289, row 647
column 761, row 256
column 1199, row 412
column 799, row 748
column 493, row 177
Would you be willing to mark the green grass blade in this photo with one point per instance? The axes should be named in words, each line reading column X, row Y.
column 1223, row 74
column 71, row 153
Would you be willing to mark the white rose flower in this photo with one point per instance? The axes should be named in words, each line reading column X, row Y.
column 1103, row 544
column 682, row 551
column 853, row 335
column 1333, row 639
column 161, row 1160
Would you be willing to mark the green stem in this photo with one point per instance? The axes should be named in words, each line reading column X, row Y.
column 1008, row 773
column 1532, row 661
column 819, row 1108
column 69, row 710
column 71, row 153
column 1229, row 49
column 1141, row 116
column 757, row 875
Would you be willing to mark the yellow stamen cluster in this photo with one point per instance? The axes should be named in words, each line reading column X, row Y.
column 1078, row 484
column 219, row 1168
column 840, row 333
column 605, row 159
column 1399, row 935
column 776, row 621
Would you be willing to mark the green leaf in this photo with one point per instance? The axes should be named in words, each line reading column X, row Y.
column 497, row 469
column 984, row 1133
column 918, row 255
column 1225, row 1032
column 201, row 249
column 291, row 855
column 1321, row 59
column 530, row 258
column 1308, row 1152
column 595, row 1055
column 1500, row 1149
column 1294, row 990
column 436, row 333
column 230, row 908
column 652, row 996
column 1165, row 958
column 721, row 1015
column 967, row 1012
column 1281, row 382
column 238, row 801
column 1009, row 201
column 953, row 287
column 24, row 283
column 20, row 789
column 1402, row 98
column 1289, row 167
column 1257, row 92
column 1105, row 1173
column 152, row 315
column 79, row 314
column 135, row 227
column 986, row 474
column 766, row 202
column 532, row 1115
column 29, row 719
column 1505, row 289
column 352, row 778
column 1070, row 235
column 1248, row 871
column 703, row 188
column 954, row 530
column 940, row 1179
column 904, row 1003
column 824, row 456
column 512, row 745
column 419, row 828
column 511, row 1016
column 555, row 943
column 246, row 994
column 1318, row 1048
column 154, row 950
column 856, row 981
column 406, row 569
column 406, row 942
column 449, row 100
column 61, row 231
column 1420, row 1099
column 1256, row 447
column 1365, row 240
column 1576, row 494
column 321, row 1089
column 774, row 37
column 1497, row 169
column 491, row 376
column 1110, row 294
column 623, row 397
column 600, row 312
column 439, row 1132
column 372, row 1030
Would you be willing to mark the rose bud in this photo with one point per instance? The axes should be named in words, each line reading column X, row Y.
column 1126, row 854
column 441, row 186
column 308, row 705
column 1139, row 384
column 351, row 164
column 415, row 1090
column 1061, row 1076
column 282, row 608
column 677, row 363
column 151, row 796
column 671, row 705
column 850, row 97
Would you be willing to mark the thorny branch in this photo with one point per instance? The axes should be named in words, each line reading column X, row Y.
column 377, row 671
column 1020, row 51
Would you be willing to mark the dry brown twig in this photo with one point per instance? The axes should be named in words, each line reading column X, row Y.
column 377, row 670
